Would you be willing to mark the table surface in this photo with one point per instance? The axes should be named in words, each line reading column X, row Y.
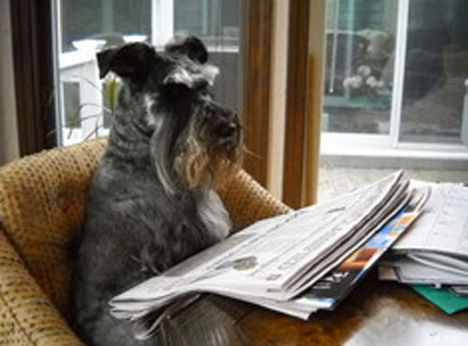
column 375, row 313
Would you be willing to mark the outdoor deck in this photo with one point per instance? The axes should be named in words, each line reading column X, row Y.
column 334, row 181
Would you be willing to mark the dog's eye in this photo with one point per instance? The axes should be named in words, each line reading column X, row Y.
column 175, row 90
column 201, row 84
column 226, row 130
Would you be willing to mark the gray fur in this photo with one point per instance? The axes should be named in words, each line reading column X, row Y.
column 141, row 217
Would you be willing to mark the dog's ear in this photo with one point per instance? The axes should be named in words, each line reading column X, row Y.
column 132, row 61
column 190, row 46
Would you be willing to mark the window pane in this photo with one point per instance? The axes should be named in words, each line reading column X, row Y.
column 359, row 65
column 105, row 19
column 216, row 21
column 436, row 71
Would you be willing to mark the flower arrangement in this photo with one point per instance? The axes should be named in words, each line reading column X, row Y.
column 365, row 83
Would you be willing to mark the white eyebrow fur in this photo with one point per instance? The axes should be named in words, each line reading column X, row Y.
column 180, row 75
column 154, row 121
column 209, row 73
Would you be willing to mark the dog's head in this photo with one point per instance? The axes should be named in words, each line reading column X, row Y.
column 194, row 140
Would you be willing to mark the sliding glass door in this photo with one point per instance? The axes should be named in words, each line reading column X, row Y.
column 395, row 76
column 436, row 70
column 360, row 51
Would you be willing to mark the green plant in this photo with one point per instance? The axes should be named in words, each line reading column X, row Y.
column 110, row 92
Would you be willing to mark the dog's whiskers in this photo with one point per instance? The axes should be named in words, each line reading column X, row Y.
column 251, row 153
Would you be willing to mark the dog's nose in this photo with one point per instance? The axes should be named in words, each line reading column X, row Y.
column 227, row 130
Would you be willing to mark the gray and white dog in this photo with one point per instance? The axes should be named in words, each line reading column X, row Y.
column 152, row 200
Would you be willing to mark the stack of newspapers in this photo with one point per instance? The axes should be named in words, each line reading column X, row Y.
column 295, row 263
column 435, row 251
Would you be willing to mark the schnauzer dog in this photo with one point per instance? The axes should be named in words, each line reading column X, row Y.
column 152, row 201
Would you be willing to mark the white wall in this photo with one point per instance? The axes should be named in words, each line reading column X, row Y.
column 9, row 148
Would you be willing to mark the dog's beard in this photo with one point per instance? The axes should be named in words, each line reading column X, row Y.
column 188, row 162
column 199, row 164
column 199, row 169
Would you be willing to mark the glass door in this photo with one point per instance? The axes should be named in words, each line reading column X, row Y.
column 436, row 73
column 360, row 52
column 395, row 79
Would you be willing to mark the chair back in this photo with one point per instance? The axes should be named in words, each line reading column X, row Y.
column 41, row 206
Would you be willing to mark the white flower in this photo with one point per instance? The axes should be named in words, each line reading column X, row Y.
column 356, row 82
column 364, row 70
column 372, row 82
column 347, row 82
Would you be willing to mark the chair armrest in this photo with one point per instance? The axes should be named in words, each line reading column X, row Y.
column 27, row 317
column 247, row 201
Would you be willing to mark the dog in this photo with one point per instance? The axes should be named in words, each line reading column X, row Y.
column 152, row 201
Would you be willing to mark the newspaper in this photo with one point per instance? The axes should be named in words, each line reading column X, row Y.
column 435, row 252
column 444, row 228
column 409, row 271
column 272, row 261
column 334, row 287
column 337, row 283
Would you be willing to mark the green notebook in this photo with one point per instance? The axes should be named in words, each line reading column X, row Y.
column 443, row 298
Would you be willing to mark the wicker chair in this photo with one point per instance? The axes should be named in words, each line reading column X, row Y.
column 41, row 206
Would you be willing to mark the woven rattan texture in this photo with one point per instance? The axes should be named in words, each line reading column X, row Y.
column 41, row 206
column 27, row 316
column 247, row 201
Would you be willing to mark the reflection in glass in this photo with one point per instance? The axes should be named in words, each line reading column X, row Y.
column 436, row 71
column 213, row 20
column 359, row 65
column 109, row 20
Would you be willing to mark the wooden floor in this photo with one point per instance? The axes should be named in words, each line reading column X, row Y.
column 334, row 181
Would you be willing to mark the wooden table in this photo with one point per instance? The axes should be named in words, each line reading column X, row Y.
column 376, row 313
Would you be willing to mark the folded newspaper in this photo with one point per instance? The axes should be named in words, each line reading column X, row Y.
column 289, row 263
column 435, row 252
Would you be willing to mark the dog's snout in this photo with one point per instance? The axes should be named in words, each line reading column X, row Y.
column 227, row 130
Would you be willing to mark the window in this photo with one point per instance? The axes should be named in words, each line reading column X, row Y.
column 394, row 93
column 87, row 26
column 436, row 71
column 395, row 81
column 359, row 66
column 216, row 21
column 102, row 20
column 53, row 52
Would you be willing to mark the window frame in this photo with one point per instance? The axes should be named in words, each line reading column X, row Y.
column 390, row 149
column 304, row 101
column 256, row 79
